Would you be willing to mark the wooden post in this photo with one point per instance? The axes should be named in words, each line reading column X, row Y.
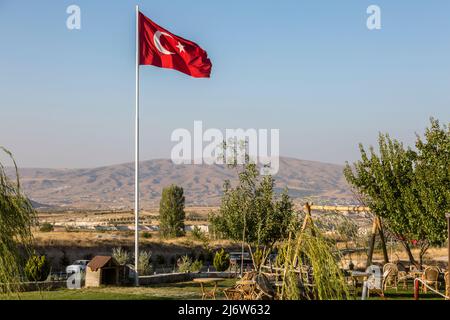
column 383, row 242
column 372, row 243
column 308, row 218
column 416, row 289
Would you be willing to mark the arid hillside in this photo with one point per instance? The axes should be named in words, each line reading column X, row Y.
column 112, row 187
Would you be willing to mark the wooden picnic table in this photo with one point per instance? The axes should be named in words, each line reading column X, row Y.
column 205, row 292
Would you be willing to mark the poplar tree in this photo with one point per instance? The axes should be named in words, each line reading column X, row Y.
column 171, row 212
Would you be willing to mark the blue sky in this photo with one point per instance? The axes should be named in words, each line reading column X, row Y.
column 310, row 68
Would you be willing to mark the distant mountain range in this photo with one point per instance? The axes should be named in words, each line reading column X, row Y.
column 112, row 187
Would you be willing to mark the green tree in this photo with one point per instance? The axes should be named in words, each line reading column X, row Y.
column 381, row 180
column 408, row 188
column 250, row 211
column 171, row 212
column 17, row 216
column 429, row 195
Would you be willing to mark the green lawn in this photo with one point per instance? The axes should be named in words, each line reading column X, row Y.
column 407, row 295
column 173, row 291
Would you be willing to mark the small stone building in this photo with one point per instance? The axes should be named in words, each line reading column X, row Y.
column 102, row 270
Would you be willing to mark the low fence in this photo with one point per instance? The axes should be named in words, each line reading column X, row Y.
column 143, row 280
column 182, row 277
column 417, row 283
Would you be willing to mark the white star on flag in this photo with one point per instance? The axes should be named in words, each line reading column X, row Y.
column 180, row 47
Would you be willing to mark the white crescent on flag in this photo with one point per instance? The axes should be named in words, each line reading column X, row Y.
column 157, row 42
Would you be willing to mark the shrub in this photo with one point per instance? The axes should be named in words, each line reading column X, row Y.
column 185, row 264
column 146, row 235
column 258, row 257
column 46, row 227
column 198, row 234
column 196, row 266
column 144, row 266
column 121, row 255
column 221, row 260
column 37, row 268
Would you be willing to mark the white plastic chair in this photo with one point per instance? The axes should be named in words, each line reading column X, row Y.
column 374, row 282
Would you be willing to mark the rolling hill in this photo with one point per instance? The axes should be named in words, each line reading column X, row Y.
column 112, row 187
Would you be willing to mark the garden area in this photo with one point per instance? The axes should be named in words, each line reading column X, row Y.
column 286, row 252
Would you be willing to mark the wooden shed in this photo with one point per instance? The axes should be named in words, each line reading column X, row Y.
column 102, row 270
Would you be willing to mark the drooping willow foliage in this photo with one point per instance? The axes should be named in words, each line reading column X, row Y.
column 310, row 269
column 16, row 219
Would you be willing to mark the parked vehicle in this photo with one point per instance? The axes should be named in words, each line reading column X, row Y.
column 77, row 267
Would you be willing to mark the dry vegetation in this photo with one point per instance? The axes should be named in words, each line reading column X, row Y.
column 78, row 243
column 75, row 237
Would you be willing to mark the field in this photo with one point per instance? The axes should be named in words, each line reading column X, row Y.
column 84, row 234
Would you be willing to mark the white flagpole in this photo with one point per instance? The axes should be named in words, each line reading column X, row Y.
column 136, row 159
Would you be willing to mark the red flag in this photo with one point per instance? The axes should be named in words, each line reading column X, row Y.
column 159, row 47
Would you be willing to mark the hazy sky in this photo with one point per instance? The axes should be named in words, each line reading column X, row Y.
column 309, row 68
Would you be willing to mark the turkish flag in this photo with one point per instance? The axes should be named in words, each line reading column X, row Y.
column 159, row 47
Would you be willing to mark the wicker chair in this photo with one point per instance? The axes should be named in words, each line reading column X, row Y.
column 403, row 276
column 447, row 284
column 431, row 277
column 352, row 285
column 260, row 288
column 233, row 294
column 390, row 276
